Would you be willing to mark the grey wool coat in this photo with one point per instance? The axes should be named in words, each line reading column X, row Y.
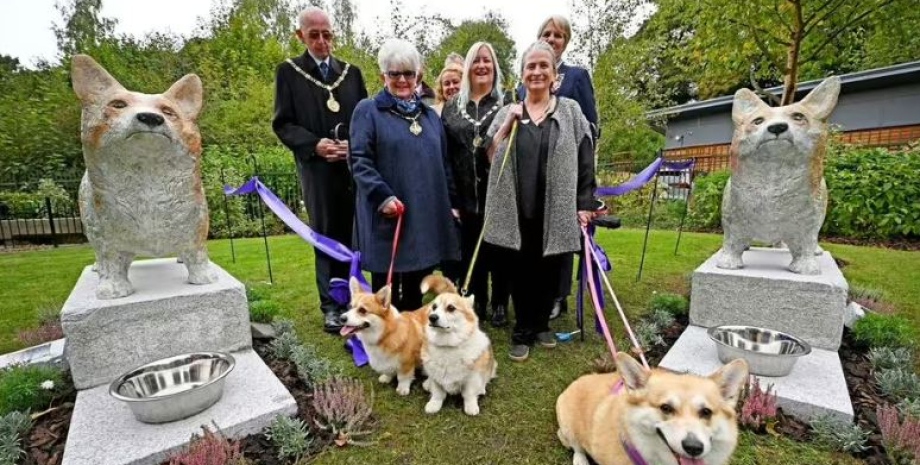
column 570, row 183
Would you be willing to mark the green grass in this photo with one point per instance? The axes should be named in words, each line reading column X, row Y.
column 517, row 423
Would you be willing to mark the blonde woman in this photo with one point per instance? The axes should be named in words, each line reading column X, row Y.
column 448, row 86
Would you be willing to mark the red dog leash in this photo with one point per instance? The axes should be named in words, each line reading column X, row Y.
column 400, row 210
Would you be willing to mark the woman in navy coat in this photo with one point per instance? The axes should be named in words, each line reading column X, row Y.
column 398, row 157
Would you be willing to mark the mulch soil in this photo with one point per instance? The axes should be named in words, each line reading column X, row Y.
column 44, row 443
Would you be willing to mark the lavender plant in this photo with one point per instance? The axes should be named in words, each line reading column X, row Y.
column 899, row 383
column 12, row 426
column 839, row 435
column 291, row 436
column 886, row 358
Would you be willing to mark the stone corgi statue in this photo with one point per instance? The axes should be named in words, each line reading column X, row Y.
column 142, row 192
column 777, row 190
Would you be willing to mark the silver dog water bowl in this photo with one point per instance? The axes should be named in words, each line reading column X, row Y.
column 768, row 352
column 174, row 388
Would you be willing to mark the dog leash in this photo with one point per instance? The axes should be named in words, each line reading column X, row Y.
column 400, row 210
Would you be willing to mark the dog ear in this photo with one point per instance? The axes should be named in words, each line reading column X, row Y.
column 731, row 378
column 354, row 287
column 90, row 79
column 471, row 301
column 383, row 295
column 634, row 374
column 746, row 103
column 822, row 100
column 188, row 94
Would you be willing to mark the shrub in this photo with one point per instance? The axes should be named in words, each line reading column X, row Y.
column 901, row 439
column 210, row 449
column 872, row 192
column 255, row 293
column 283, row 326
column 26, row 387
column 12, row 426
column 675, row 304
column 839, row 435
column 758, row 406
column 291, row 436
column 343, row 410
column 706, row 206
column 264, row 311
column 311, row 368
column 910, row 407
column 283, row 345
column 886, row 358
column 899, row 383
column 51, row 331
column 648, row 331
column 884, row 331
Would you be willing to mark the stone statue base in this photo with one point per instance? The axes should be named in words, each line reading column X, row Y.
column 765, row 294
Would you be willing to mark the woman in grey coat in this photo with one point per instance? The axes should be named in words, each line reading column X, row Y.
column 539, row 195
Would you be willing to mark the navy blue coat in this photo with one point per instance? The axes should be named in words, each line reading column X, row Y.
column 576, row 85
column 386, row 161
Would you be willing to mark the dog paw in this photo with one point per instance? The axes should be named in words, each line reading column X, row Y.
column 471, row 408
column 806, row 266
column 580, row 459
column 201, row 274
column 384, row 379
column 728, row 261
column 403, row 390
column 433, row 407
column 426, row 385
column 112, row 289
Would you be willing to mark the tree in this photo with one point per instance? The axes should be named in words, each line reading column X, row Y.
column 83, row 27
column 781, row 37
column 491, row 28
column 596, row 23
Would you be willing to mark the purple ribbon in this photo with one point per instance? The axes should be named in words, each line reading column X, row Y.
column 639, row 180
column 338, row 287
column 678, row 165
column 582, row 279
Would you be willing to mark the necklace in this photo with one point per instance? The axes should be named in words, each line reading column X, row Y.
column 414, row 128
column 331, row 104
column 541, row 116
column 477, row 141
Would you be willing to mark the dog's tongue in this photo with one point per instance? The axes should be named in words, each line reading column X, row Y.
column 688, row 461
column 346, row 330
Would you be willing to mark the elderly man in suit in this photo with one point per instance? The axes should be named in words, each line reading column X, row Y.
column 315, row 95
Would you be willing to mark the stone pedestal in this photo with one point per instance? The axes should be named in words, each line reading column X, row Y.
column 165, row 316
column 104, row 432
column 765, row 294
column 815, row 386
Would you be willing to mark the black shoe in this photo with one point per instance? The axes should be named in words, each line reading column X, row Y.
column 331, row 323
column 499, row 316
column 560, row 306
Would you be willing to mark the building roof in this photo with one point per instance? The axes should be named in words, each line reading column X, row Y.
column 861, row 80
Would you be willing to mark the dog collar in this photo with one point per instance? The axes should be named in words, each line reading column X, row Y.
column 634, row 456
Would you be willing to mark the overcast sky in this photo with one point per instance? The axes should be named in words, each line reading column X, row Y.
column 25, row 25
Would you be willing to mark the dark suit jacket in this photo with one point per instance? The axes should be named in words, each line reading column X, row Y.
column 301, row 120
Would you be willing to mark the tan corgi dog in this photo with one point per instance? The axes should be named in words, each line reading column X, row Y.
column 458, row 356
column 393, row 339
column 651, row 417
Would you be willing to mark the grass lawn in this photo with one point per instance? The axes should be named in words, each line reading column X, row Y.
column 517, row 424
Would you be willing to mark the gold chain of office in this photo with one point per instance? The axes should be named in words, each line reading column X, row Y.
column 331, row 104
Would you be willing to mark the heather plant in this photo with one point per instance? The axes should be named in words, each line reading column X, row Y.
column 311, row 368
column 211, row 448
column 29, row 387
column 758, row 406
column 886, row 358
column 12, row 426
column 49, row 325
column 899, row 383
column 343, row 410
column 264, row 311
column 291, row 437
column 675, row 304
column 901, row 438
column 839, row 435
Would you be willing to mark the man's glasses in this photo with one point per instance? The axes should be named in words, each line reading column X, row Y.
column 315, row 35
column 406, row 74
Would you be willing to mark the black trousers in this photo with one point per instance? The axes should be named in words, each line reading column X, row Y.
column 488, row 262
column 565, row 276
column 534, row 283
column 406, row 292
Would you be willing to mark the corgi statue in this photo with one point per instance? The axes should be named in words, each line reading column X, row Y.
column 142, row 192
column 777, row 190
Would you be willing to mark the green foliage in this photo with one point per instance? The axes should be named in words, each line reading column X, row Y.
column 649, row 330
column 255, row 292
column 13, row 426
column 838, row 435
column 283, row 345
column 886, row 358
column 491, row 28
column 311, row 367
column 876, row 330
column 675, row 304
column 909, row 407
column 873, row 193
column 283, row 326
column 21, row 387
column 264, row 311
column 290, row 436
column 706, row 212
column 899, row 383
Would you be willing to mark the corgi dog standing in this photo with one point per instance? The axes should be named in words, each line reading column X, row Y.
column 458, row 356
column 393, row 339
column 651, row 417
column 777, row 191
column 142, row 191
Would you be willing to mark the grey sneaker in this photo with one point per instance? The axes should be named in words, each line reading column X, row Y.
column 519, row 352
column 546, row 339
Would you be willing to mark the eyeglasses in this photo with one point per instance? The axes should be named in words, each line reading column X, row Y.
column 406, row 74
column 315, row 35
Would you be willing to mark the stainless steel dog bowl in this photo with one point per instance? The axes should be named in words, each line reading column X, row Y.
column 768, row 352
column 174, row 388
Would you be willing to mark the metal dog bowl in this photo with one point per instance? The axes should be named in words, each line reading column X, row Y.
column 174, row 388
column 768, row 352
